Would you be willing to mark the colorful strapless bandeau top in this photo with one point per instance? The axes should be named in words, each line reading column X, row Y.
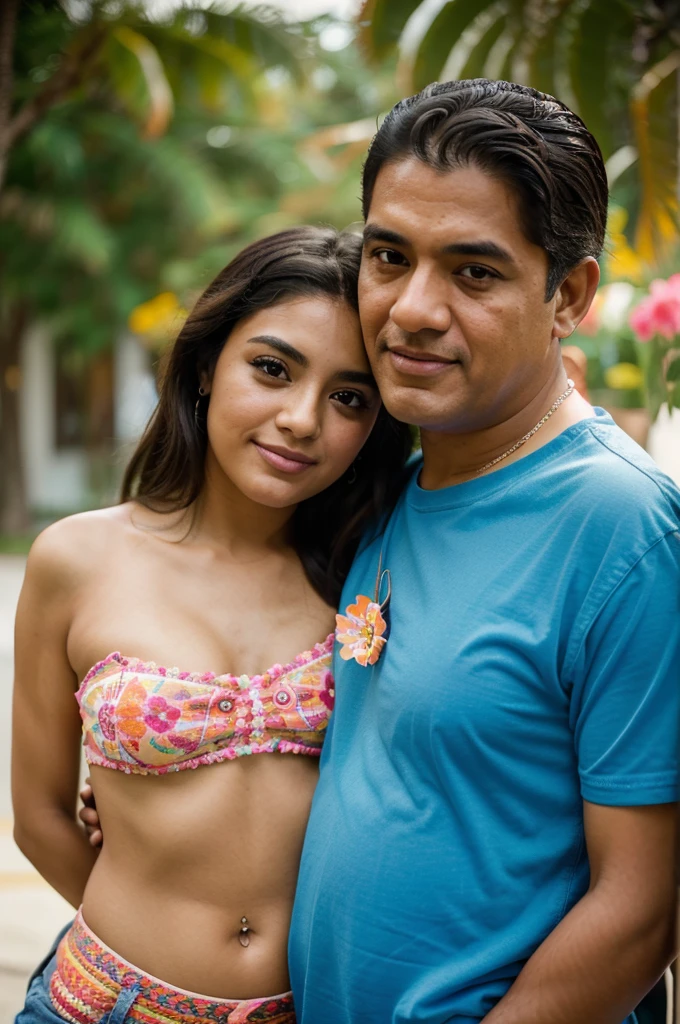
column 148, row 720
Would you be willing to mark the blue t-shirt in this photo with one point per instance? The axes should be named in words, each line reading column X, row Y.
column 532, row 664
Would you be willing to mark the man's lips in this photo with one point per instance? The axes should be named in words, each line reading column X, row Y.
column 414, row 362
column 284, row 459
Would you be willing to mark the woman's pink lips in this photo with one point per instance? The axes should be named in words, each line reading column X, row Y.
column 419, row 364
column 292, row 463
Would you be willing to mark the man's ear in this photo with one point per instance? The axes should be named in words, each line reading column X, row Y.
column 574, row 296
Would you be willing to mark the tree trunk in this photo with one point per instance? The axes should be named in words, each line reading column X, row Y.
column 75, row 63
column 14, row 516
column 8, row 17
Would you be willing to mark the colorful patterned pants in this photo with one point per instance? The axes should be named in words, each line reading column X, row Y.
column 85, row 982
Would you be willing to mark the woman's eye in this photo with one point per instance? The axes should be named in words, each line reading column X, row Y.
column 351, row 399
column 390, row 256
column 272, row 367
column 474, row 272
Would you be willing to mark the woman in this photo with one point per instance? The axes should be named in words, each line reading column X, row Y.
column 267, row 457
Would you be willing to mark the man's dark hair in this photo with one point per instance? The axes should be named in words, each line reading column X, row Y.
column 526, row 138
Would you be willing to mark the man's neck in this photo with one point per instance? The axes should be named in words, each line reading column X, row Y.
column 453, row 457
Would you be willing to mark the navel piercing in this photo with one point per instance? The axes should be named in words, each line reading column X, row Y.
column 243, row 936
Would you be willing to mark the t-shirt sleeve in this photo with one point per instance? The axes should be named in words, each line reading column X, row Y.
column 625, row 698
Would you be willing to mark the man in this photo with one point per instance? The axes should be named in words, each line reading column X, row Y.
column 492, row 835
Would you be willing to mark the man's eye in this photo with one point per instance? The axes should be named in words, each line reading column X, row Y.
column 476, row 273
column 351, row 399
column 272, row 367
column 390, row 256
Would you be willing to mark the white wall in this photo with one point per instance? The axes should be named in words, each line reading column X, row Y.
column 664, row 442
column 135, row 389
column 54, row 479
column 58, row 480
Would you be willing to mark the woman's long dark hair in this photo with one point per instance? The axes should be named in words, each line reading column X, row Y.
column 167, row 470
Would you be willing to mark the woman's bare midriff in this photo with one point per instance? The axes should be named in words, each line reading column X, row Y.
column 187, row 855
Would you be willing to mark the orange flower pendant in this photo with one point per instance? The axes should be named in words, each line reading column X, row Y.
column 363, row 629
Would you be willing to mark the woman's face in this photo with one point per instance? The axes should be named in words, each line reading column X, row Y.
column 292, row 400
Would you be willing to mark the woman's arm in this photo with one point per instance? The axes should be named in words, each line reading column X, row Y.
column 45, row 720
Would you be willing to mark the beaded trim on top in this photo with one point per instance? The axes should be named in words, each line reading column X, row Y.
column 138, row 665
column 144, row 718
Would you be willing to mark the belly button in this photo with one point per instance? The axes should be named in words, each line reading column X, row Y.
column 244, row 933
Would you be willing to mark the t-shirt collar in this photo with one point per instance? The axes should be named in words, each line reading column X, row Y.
column 480, row 488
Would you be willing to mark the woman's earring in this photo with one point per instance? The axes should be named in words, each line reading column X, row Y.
column 352, row 478
column 201, row 394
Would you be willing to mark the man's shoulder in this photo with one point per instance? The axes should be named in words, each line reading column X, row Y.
column 618, row 480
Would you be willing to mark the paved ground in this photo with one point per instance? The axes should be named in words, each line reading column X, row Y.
column 30, row 912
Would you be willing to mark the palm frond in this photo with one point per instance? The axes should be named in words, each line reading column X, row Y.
column 474, row 64
column 381, row 24
column 447, row 27
column 653, row 103
column 150, row 72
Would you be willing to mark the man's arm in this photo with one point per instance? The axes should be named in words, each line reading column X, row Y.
column 89, row 815
column 617, row 940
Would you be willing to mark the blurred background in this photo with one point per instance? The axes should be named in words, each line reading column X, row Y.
column 142, row 145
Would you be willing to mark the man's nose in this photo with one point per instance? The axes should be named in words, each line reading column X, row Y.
column 300, row 415
column 423, row 303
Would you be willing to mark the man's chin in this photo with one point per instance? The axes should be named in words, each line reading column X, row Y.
column 421, row 408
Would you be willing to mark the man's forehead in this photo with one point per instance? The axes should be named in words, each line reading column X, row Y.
column 442, row 208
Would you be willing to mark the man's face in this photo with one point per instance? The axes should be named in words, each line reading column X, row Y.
column 452, row 298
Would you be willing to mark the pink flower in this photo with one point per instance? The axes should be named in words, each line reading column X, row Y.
column 184, row 743
column 327, row 695
column 659, row 312
column 107, row 722
column 159, row 715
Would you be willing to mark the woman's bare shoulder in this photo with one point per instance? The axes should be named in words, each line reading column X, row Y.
column 73, row 548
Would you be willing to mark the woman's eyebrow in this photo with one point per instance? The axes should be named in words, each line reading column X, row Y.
column 343, row 376
column 281, row 346
column 357, row 377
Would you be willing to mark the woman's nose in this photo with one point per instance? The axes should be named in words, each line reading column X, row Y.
column 300, row 416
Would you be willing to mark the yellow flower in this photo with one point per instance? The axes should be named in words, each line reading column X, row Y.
column 158, row 317
column 622, row 261
column 623, row 376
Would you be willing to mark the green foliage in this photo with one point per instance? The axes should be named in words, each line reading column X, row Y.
column 615, row 61
column 43, row 34
column 673, row 372
column 479, row 54
column 172, row 144
column 600, row 42
column 95, row 209
column 382, row 22
column 436, row 44
column 97, row 217
column 16, row 544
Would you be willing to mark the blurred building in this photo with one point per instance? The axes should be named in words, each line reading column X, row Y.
column 79, row 417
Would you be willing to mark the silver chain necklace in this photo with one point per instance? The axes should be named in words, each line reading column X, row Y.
column 523, row 440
